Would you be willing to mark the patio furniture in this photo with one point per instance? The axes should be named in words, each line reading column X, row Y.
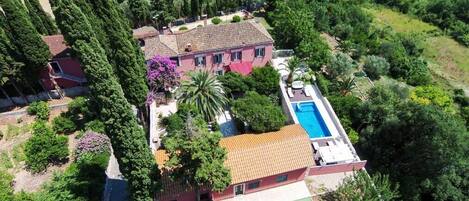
column 290, row 92
column 297, row 85
column 316, row 146
column 307, row 94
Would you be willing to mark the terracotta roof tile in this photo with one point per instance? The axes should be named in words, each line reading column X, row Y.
column 145, row 32
column 253, row 156
column 210, row 38
column 57, row 45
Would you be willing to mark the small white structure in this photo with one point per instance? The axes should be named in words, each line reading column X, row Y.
column 290, row 93
column 297, row 85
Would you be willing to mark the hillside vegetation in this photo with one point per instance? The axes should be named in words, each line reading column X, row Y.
column 447, row 58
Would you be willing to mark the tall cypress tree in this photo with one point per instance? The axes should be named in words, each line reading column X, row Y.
column 140, row 10
column 136, row 162
column 195, row 8
column 35, row 8
column 35, row 19
column 125, row 57
column 32, row 48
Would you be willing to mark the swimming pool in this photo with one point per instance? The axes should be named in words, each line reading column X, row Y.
column 310, row 119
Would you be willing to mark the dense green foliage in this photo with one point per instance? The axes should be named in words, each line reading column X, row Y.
column 205, row 92
column 294, row 29
column 416, row 141
column 44, row 148
column 196, row 158
column 124, row 54
column 375, row 67
column 362, row 187
column 31, row 48
column 258, row 112
column 265, row 80
column 63, row 124
column 140, row 11
column 41, row 20
column 128, row 140
column 341, row 66
column 40, row 109
column 233, row 83
column 426, row 95
column 83, row 180
column 346, row 108
column 449, row 15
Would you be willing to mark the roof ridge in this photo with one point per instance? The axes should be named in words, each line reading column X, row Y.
column 175, row 51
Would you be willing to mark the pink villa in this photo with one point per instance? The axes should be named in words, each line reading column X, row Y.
column 217, row 48
column 262, row 166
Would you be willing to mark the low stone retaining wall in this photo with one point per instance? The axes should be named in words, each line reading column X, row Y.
column 327, row 169
column 45, row 95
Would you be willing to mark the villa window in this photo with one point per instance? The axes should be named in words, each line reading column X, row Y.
column 218, row 58
column 254, row 185
column 281, row 178
column 55, row 67
column 259, row 52
column 219, row 72
column 176, row 60
column 200, row 61
column 236, row 56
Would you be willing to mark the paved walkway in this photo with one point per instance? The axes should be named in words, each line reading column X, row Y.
column 155, row 131
column 326, row 182
column 116, row 187
column 289, row 192
column 227, row 124
column 225, row 18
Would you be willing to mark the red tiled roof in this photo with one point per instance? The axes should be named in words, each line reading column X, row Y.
column 243, row 68
column 57, row 45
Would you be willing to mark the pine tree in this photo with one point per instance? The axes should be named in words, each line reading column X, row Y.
column 35, row 8
column 128, row 140
column 140, row 10
column 124, row 54
column 33, row 50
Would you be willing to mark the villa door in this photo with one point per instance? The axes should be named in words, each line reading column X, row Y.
column 239, row 189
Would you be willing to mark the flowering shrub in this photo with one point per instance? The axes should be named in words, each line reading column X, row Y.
column 161, row 76
column 93, row 143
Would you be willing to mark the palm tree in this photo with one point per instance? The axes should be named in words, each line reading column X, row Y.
column 346, row 85
column 293, row 65
column 205, row 92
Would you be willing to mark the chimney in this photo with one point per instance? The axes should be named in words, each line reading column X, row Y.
column 188, row 47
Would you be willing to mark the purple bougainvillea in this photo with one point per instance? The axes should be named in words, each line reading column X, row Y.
column 93, row 142
column 161, row 75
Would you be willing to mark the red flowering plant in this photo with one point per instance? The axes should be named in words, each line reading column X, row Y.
column 161, row 75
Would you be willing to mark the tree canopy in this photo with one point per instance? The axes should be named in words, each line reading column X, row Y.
column 127, row 137
column 196, row 158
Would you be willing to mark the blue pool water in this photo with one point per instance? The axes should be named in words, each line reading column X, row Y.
column 311, row 120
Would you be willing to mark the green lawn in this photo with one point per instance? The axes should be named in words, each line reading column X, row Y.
column 400, row 22
column 448, row 59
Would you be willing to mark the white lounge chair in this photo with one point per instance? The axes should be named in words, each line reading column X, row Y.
column 307, row 94
column 316, row 146
column 290, row 92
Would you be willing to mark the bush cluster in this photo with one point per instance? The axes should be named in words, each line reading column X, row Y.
column 44, row 148
column 92, row 143
column 40, row 109
column 258, row 112
column 375, row 67
column 236, row 18
column 63, row 124
column 216, row 20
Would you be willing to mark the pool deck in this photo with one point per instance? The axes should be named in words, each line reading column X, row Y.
column 299, row 96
